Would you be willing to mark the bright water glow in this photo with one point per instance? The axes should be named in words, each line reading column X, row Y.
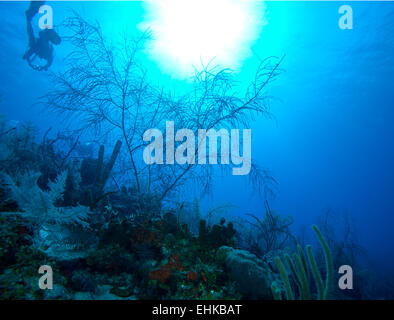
column 189, row 33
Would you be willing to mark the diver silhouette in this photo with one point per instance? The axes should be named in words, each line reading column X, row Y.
column 40, row 47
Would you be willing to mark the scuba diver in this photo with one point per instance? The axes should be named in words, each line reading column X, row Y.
column 40, row 47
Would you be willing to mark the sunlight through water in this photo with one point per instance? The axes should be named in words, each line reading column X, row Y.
column 189, row 33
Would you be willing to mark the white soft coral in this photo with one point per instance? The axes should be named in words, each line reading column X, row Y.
column 38, row 206
column 55, row 228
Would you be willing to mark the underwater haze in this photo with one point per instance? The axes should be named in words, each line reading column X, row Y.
column 83, row 112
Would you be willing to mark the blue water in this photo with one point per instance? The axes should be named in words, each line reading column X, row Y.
column 331, row 142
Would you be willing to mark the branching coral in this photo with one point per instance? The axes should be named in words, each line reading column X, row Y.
column 106, row 87
column 272, row 232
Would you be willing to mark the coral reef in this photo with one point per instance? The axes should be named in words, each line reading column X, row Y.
column 106, row 242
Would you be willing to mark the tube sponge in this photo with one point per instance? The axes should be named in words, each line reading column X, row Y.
column 329, row 264
column 285, row 278
column 302, row 276
column 315, row 272
column 299, row 269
